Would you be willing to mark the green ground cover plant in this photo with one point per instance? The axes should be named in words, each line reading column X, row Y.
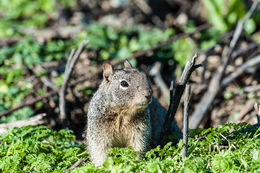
column 38, row 149
column 227, row 148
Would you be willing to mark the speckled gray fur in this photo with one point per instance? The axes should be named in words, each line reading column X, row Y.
column 123, row 116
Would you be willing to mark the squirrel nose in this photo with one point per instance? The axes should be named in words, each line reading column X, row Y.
column 148, row 95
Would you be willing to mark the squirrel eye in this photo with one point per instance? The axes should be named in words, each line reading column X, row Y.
column 124, row 84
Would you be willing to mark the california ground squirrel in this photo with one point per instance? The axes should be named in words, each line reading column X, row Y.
column 123, row 113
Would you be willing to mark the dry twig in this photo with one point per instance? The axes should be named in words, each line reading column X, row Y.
column 35, row 120
column 175, row 96
column 50, row 33
column 248, row 108
column 251, row 46
column 240, row 70
column 76, row 164
column 68, row 70
column 253, row 88
column 186, row 121
column 205, row 63
column 155, row 72
column 257, row 109
column 48, row 83
column 5, row 42
column 29, row 103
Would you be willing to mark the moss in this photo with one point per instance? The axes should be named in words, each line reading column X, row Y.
column 228, row 148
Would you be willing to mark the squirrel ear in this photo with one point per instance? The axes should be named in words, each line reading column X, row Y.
column 127, row 64
column 107, row 71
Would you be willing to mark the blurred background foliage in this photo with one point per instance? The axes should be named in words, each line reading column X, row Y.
column 107, row 42
column 224, row 14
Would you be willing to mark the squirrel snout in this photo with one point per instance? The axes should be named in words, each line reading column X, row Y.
column 148, row 95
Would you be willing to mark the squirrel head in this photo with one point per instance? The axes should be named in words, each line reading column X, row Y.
column 126, row 88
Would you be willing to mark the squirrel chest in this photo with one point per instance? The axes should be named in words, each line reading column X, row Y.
column 123, row 126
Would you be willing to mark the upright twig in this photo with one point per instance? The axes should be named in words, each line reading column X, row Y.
column 68, row 70
column 155, row 72
column 205, row 64
column 175, row 96
column 257, row 109
column 215, row 83
column 186, row 120
column 171, row 106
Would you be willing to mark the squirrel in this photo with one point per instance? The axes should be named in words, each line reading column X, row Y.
column 123, row 113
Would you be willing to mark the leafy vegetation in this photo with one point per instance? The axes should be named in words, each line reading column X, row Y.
column 38, row 149
column 15, row 63
column 226, row 148
column 224, row 14
column 223, row 149
column 121, row 43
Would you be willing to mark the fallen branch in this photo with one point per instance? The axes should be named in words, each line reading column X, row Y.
column 257, row 125
column 175, row 96
column 215, row 83
column 186, row 121
column 50, row 33
column 35, row 121
column 251, row 46
column 248, row 108
column 73, row 58
column 76, row 164
column 29, row 103
column 251, row 89
column 48, row 83
column 138, row 54
column 240, row 70
column 5, row 42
